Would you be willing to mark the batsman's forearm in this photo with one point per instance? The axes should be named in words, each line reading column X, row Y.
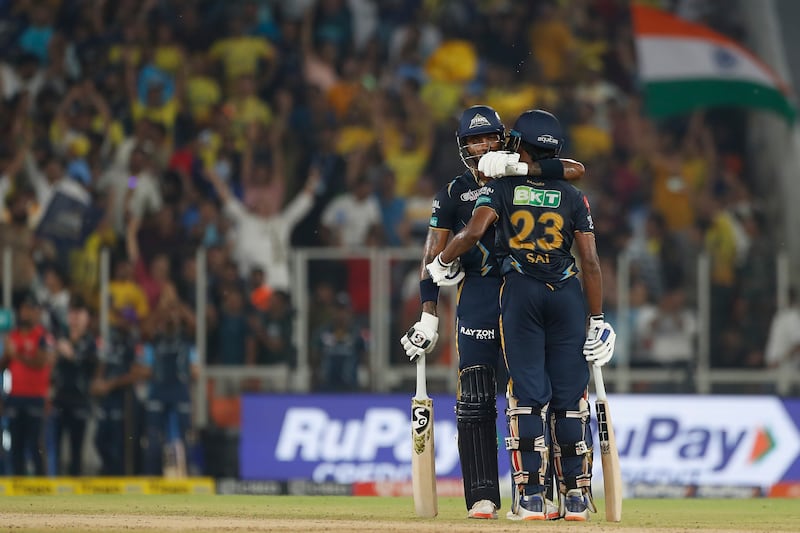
column 460, row 244
column 430, row 308
column 435, row 242
column 593, row 289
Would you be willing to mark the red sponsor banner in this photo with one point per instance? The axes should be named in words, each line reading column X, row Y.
column 447, row 487
column 786, row 489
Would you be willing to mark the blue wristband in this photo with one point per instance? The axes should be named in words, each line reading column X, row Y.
column 552, row 169
column 428, row 291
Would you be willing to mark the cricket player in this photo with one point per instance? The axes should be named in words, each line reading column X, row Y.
column 480, row 132
column 542, row 318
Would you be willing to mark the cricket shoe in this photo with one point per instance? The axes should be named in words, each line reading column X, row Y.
column 551, row 511
column 485, row 509
column 575, row 507
column 530, row 507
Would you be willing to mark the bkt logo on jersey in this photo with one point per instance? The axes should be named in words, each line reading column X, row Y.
column 479, row 334
column 471, row 196
column 524, row 195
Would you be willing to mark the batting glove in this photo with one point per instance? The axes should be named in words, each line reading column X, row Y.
column 445, row 274
column 502, row 163
column 421, row 338
column 600, row 339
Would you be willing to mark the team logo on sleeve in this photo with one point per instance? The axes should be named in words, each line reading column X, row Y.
column 524, row 195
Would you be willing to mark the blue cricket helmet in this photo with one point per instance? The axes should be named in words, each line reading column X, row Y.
column 539, row 133
column 477, row 120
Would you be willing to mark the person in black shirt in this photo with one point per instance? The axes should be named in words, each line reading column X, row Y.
column 75, row 368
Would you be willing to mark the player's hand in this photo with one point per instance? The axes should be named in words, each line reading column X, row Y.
column 501, row 163
column 445, row 274
column 600, row 339
column 421, row 338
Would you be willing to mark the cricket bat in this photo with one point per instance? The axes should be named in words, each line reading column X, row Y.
column 612, row 476
column 423, row 465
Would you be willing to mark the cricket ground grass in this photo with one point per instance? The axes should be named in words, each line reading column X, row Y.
column 311, row 514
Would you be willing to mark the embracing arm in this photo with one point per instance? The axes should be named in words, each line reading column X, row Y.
column 571, row 170
column 482, row 218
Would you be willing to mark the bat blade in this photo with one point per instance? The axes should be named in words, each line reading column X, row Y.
column 609, row 456
column 423, row 464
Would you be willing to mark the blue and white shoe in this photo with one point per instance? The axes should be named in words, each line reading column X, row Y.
column 576, row 508
column 529, row 507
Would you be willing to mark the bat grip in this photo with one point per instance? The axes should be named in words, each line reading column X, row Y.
column 422, row 387
column 599, row 386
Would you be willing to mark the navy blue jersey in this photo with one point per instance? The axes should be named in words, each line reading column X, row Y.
column 452, row 209
column 536, row 224
column 120, row 354
column 170, row 357
column 71, row 377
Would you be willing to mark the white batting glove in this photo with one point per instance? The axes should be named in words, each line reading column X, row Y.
column 600, row 339
column 421, row 338
column 445, row 274
column 502, row 163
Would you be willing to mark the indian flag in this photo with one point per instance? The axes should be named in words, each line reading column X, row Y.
column 686, row 66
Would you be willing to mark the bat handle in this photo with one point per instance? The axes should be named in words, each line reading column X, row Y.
column 599, row 386
column 422, row 387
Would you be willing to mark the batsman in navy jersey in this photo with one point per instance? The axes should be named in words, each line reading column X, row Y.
column 543, row 314
column 480, row 133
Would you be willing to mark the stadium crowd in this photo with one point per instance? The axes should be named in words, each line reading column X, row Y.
column 250, row 127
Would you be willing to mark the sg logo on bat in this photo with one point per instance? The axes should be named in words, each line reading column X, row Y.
column 422, row 417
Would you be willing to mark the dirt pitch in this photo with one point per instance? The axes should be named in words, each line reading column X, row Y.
column 87, row 514
column 113, row 523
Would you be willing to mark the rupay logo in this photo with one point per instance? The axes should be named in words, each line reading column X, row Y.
column 704, row 440
column 354, row 448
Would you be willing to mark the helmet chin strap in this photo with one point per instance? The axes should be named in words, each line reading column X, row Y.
column 476, row 175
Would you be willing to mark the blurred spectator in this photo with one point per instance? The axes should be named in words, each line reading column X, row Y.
column 253, row 227
column 783, row 342
column 667, row 332
column 241, row 54
column 720, row 244
column 22, row 75
column 75, row 369
column 552, row 42
column 128, row 300
column 28, row 356
column 338, row 350
column 353, row 219
column 392, row 208
column 418, row 210
column 54, row 296
column 272, row 332
column 169, row 365
column 260, row 291
column 232, row 331
column 116, row 439
column 18, row 236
